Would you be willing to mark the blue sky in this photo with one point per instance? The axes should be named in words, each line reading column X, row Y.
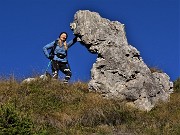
column 152, row 26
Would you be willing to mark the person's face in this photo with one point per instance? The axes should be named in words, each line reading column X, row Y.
column 63, row 37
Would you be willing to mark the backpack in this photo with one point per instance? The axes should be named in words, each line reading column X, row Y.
column 53, row 48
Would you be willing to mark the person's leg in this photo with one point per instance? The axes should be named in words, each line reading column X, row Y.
column 55, row 68
column 66, row 70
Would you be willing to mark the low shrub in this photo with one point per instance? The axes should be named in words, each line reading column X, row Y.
column 177, row 85
column 12, row 123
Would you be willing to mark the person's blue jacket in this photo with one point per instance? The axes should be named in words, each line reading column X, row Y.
column 58, row 49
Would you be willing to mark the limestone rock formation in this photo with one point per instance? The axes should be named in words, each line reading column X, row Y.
column 119, row 71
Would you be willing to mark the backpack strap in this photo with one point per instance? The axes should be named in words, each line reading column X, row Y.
column 53, row 48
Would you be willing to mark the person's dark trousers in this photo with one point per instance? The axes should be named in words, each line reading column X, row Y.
column 63, row 67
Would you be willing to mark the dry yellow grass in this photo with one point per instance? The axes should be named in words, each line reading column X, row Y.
column 56, row 108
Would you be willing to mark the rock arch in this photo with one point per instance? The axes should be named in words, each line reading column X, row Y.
column 119, row 71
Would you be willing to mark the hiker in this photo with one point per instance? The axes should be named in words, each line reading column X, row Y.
column 58, row 56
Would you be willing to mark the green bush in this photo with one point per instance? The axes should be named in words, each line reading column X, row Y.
column 11, row 123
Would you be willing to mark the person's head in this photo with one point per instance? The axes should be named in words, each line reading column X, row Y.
column 63, row 36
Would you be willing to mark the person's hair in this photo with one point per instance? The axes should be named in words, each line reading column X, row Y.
column 65, row 45
column 63, row 33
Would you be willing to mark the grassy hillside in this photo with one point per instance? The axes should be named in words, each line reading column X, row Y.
column 53, row 108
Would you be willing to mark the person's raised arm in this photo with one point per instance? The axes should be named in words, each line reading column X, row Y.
column 72, row 42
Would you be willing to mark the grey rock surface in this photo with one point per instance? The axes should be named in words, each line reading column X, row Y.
column 119, row 71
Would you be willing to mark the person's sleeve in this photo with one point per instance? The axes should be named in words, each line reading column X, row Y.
column 72, row 42
column 46, row 47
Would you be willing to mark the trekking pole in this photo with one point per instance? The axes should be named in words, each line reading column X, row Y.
column 48, row 66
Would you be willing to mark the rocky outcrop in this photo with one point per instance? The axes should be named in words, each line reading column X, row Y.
column 119, row 71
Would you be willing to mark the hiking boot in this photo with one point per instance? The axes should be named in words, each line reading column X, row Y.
column 55, row 75
column 65, row 81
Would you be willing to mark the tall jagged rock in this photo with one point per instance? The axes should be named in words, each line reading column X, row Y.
column 119, row 71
